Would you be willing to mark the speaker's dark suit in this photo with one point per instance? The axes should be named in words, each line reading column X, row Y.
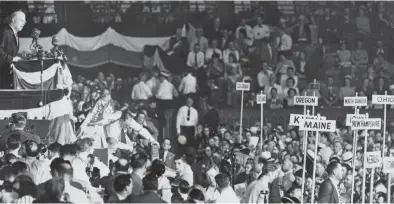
column 328, row 192
column 9, row 47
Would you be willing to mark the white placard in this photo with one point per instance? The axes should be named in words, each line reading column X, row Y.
column 350, row 117
column 242, row 86
column 382, row 99
column 355, row 101
column 318, row 125
column 388, row 165
column 306, row 100
column 295, row 118
column 261, row 99
column 368, row 124
column 374, row 159
column 253, row 141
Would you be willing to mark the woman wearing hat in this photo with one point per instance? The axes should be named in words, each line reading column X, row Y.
column 348, row 89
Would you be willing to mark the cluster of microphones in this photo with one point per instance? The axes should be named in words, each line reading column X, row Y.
column 55, row 52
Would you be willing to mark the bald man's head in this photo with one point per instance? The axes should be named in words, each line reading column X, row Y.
column 18, row 20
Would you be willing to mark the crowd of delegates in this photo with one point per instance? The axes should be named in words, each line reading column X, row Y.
column 207, row 161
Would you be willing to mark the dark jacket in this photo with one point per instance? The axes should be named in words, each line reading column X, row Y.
column 24, row 136
column 146, row 197
column 8, row 49
column 328, row 193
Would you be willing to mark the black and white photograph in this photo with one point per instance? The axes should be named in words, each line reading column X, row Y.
column 196, row 101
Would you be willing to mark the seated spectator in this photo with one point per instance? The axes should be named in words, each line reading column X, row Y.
column 141, row 91
column 275, row 102
column 290, row 84
column 363, row 22
column 290, row 74
column 261, row 34
column 328, row 27
column 154, row 82
column 380, row 49
column 199, row 40
column 231, row 50
column 347, row 90
column 214, row 29
column 263, row 77
column 212, row 50
column 235, row 75
column 283, row 64
column 300, row 65
column 330, row 92
column 273, row 84
column 195, row 58
column 360, row 55
column 285, row 42
column 381, row 85
column 216, row 71
column 248, row 31
column 289, row 100
column 243, row 44
column 366, row 87
column 344, row 55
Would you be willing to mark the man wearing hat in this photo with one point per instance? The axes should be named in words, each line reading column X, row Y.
column 166, row 92
column 18, row 124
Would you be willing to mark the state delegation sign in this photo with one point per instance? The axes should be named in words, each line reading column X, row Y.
column 382, row 99
column 367, row 124
column 242, row 86
column 305, row 100
column 350, row 117
column 355, row 101
column 261, row 99
column 295, row 118
column 318, row 125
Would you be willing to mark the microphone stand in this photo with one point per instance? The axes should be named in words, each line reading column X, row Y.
column 40, row 56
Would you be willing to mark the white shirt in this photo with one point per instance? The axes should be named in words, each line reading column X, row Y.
column 227, row 52
column 191, row 59
column 210, row 51
column 141, row 91
column 249, row 31
column 75, row 195
column 188, row 84
column 227, row 196
column 302, row 66
column 211, row 194
column 261, row 31
column 263, row 78
column 187, row 175
column 166, row 91
column 285, row 42
column 181, row 118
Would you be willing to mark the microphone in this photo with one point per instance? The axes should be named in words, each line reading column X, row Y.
column 55, row 41
column 35, row 33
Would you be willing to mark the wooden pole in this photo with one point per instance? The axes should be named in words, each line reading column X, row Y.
column 356, row 111
column 261, row 123
column 305, row 146
column 314, row 166
column 242, row 112
column 371, row 186
column 365, row 161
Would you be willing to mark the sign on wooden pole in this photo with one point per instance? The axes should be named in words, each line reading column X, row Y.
column 355, row 101
column 318, row 125
column 242, row 86
column 305, row 100
column 295, row 118
column 261, row 99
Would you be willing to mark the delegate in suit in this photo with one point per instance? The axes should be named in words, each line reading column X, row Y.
column 329, row 191
column 9, row 46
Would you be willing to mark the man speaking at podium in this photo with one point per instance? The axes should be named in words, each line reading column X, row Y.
column 9, row 46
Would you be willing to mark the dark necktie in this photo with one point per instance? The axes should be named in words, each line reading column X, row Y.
column 329, row 91
column 188, row 114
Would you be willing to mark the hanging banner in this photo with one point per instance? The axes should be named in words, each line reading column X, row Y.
column 318, row 125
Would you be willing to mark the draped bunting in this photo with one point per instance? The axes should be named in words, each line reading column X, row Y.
column 27, row 75
column 109, row 37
